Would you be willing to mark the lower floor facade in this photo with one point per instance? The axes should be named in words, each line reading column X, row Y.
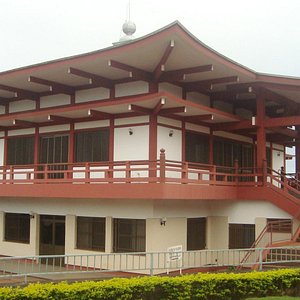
column 35, row 226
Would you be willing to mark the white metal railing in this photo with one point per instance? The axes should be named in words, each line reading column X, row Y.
column 150, row 263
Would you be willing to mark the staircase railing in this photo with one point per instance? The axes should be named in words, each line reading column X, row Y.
column 266, row 238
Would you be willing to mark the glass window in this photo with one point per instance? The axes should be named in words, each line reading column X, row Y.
column 17, row 227
column 241, row 236
column 196, row 148
column 20, row 150
column 91, row 146
column 91, row 233
column 129, row 235
column 196, row 233
column 226, row 152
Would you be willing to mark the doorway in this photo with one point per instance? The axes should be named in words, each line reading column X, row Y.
column 52, row 236
column 54, row 151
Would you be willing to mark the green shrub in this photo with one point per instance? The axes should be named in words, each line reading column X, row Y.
column 199, row 286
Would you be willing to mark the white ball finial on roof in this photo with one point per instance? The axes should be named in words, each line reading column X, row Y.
column 129, row 28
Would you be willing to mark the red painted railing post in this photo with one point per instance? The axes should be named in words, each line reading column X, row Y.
column 184, row 175
column 264, row 172
column 162, row 161
column 87, row 173
column 127, row 171
column 236, row 170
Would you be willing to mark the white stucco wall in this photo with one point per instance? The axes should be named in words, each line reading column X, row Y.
column 131, row 147
column 21, row 132
column 91, row 124
column 91, row 94
column 55, row 128
column 158, row 238
column 131, row 88
column 172, row 144
column 170, row 88
column 277, row 159
column 21, row 105
column 55, row 100
column 198, row 98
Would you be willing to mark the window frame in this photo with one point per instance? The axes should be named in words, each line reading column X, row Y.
column 91, row 233
column 194, row 243
column 137, row 240
column 104, row 154
column 241, row 241
column 13, row 155
column 19, row 223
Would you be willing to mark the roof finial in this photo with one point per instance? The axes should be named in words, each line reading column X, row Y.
column 128, row 27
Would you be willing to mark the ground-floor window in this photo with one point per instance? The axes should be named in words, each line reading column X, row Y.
column 241, row 235
column 279, row 225
column 129, row 235
column 17, row 228
column 196, row 233
column 91, row 233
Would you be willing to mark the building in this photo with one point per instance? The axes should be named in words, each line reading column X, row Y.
column 151, row 143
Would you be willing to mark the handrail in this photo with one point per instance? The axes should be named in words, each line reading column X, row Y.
column 268, row 229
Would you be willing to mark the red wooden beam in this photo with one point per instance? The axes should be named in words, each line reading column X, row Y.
column 20, row 93
column 139, row 109
column 282, row 121
column 179, row 74
column 208, row 117
column 54, row 87
column 160, row 67
column 159, row 106
column 99, row 114
column 212, row 81
column 281, row 87
column 173, row 110
column 133, row 71
column 23, row 123
column 230, row 126
column 285, row 131
column 55, row 118
column 93, row 78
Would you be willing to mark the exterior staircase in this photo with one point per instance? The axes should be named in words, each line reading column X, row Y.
column 279, row 248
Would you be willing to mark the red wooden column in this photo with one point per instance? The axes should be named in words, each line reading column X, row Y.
column 261, row 132
column 71, row 151
column 36, row 151
column 71, row 144
column 152, row 144
column 211, row 148
column 297, row 152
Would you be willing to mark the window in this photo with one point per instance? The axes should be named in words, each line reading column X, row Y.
column 17, row 228
column 196, row 233
column 91, row 146
column 20, row 150
column 129, row 235
column 196, row 148
column 279, row 225
column 225, row 153
column 91, row 233
column 241, row 236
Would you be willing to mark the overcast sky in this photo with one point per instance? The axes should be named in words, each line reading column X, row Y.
column 261, row 34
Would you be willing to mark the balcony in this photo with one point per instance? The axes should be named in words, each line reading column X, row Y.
column 144, row 179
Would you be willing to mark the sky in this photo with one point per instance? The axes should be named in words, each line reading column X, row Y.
column 263, row 35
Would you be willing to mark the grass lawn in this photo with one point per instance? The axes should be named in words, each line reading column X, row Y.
column 276, row 298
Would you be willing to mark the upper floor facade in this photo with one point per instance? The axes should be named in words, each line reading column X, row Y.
column 103, row 117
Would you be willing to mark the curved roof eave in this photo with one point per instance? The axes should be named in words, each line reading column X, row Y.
column 184, row 33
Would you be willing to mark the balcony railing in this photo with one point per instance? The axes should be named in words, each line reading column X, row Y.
column 138, row 171
column 144, row 171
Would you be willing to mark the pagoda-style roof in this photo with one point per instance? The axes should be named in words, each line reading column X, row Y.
column 172, row 55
